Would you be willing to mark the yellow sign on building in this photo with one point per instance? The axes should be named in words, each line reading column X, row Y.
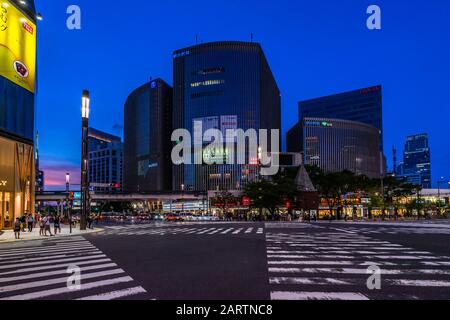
column 17, row 46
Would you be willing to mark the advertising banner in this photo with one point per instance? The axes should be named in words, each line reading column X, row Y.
column 17, row 46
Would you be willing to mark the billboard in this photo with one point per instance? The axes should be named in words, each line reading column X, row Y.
column 17, row 46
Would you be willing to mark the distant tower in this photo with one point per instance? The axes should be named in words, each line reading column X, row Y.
column 394, row 152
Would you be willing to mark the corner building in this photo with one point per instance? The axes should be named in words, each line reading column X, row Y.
column 17, row 94
column 224, row 85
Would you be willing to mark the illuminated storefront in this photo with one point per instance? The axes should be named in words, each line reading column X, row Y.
column 17, row 87
column 16, row 181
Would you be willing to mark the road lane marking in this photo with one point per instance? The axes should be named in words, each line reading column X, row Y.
column 115, row 294
column 21, row 265
column 54, row 273
column 50, row 282
column 57, row 266
column 347, row 296
column 65, row 290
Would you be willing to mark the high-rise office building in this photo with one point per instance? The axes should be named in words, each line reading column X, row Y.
column 338, row 145
column 224, row 86
column 147, row 143
column 362, row 105
column 417, row 161
column 105, row 152
column 17, row 89
column 294, row 138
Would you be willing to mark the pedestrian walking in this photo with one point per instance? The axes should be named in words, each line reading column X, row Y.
column 89, row 221
column 41, row 227
column 30, row 223
column 47, row 225
column 57, row 224
column 17, row 228
column 23, row 221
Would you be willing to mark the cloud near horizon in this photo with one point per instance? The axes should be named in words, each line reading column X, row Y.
column 55, row 173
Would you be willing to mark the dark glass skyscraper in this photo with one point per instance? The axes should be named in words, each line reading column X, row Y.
column 223, row 85
column 147, row 138
column 363, row 105
column 417, row 161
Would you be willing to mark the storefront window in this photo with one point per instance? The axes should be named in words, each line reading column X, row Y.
column 16, row 181
column 5, row 210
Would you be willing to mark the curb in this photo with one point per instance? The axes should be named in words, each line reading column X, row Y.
column 59, row 236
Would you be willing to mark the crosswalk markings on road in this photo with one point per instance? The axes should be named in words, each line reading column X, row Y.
column 146, row 230
column 38, row 272
column 334, row 266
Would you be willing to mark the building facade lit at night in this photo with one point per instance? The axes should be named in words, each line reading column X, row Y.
column 416, row 167
column 224, row 86
column 105, row 161
column 338, row 145
column 17, row 98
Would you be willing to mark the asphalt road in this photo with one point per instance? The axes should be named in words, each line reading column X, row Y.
column 235, row 261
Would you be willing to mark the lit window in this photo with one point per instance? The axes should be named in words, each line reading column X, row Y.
column 207, row 83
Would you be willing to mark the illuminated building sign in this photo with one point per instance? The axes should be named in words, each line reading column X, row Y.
column 215, row 155
column 369, row 90
column 319, row 123
column 3, row 183
column 17, row 46
column 181, row 54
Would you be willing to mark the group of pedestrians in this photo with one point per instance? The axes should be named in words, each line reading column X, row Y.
column 44, row 225
column 22, row 223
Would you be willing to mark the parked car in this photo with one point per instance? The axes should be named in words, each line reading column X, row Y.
column 174, row 217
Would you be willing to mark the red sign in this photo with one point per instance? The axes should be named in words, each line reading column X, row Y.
column 246, row 201
column 288, row 205
column 27, row 27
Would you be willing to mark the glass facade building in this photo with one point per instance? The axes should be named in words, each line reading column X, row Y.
column 105, row 153
column 223, row 85
column 417, row 161
column 147, row 140
column 363, row 105
column 17, row 159
column 337, row 145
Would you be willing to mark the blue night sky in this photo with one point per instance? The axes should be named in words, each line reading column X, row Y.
column 315, row 48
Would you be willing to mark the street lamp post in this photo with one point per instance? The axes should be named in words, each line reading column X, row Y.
column 182, row 198
column 69, row 216
column 439, row 193
column 67, row 182
column 85, row 110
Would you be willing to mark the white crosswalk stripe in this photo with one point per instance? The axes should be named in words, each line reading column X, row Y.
column 302, row 266
column 146, row 230
column 42, row 272
column 399, row 230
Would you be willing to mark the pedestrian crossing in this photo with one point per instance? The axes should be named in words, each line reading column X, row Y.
column 151, row 230
column 47, row 271
column 289, row 225
column 400, row 230
column 338, row 266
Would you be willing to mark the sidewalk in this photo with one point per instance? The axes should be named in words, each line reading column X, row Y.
column 8, row 235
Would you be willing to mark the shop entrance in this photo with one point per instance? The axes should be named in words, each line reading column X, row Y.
column 6, row 214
